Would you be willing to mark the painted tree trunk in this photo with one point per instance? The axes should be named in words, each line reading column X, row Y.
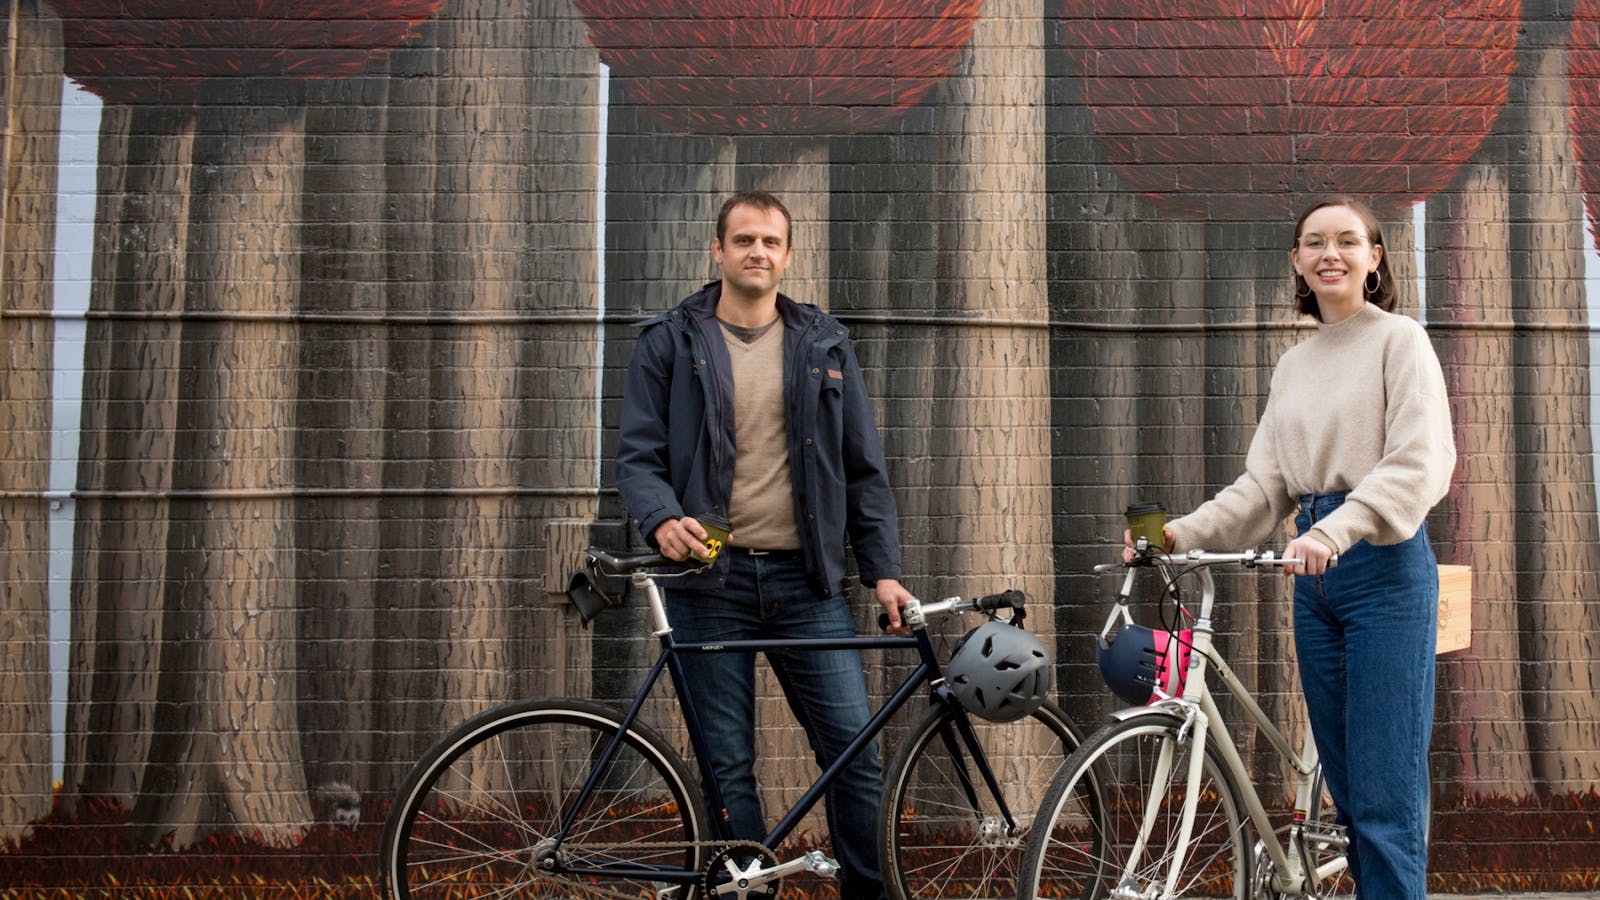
column 482, row 238
column 1481, row 714
column 560, row 388
column 27, row 243
column 1558, row 538
column 991, row 507
column 1095, row 284
column 1242, row 306
column 126, row 451
column 406, row 656
column 226, row 755
column 990, row 511
column 339, row 431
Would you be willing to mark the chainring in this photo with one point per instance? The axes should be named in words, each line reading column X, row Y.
column 729, row 868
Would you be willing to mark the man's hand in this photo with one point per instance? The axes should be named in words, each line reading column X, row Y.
column 1315, row 553
column 891, row 596
column 680, row 538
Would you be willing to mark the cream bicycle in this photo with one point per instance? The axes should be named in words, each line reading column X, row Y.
column 1159, row 802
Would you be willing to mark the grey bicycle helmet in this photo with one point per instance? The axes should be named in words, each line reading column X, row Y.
column 1138, row 659
column 1000, row 672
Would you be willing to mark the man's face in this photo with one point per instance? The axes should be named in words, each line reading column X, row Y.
column 753, row 250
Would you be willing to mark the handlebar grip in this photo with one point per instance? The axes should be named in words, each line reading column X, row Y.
column 1012, row 599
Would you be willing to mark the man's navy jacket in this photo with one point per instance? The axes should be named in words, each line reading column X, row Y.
column 676, row 450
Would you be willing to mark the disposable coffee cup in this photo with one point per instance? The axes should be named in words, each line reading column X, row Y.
column 717, row 530
column 1148, row 520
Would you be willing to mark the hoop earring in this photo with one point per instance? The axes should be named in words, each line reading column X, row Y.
column 1302, row 290
column 1372, row 284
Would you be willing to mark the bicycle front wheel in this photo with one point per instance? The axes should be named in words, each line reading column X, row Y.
column 480, row 813
column 1110, row 824
column 944, row 835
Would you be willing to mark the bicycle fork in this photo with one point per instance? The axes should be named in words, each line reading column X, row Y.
column 1192, row 732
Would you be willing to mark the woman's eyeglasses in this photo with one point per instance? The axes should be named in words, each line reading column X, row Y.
column 1316, row 242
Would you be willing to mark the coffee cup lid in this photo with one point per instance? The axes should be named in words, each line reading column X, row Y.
column 714, row 520
column 1145, row 506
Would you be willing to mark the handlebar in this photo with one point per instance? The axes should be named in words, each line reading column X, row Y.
column 917, row 613
column 1198, row 562
column 589, row 589
column 1248, row 558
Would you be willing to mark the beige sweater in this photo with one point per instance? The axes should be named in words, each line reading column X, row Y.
column 761, row 509
column 1359, row 406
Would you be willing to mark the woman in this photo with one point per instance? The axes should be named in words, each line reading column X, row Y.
column 1355, row 440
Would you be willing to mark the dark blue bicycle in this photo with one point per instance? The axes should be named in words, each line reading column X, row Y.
column 574, row 798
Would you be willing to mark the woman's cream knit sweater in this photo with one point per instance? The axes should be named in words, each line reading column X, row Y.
column 1359, row 406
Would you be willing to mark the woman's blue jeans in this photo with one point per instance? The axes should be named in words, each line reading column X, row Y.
column 771, row 597
column 1365, row 635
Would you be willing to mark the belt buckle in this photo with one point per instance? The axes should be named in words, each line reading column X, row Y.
column 753, row 552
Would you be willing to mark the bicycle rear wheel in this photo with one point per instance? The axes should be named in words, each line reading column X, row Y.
column 1326, row 840
column 943, row 833
column 482, row 808
column 1111, row 820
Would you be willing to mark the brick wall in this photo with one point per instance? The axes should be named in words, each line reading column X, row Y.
column 357, row 296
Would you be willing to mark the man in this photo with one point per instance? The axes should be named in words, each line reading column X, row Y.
column 744, row 404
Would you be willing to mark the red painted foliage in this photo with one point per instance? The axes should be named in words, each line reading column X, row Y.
column 159, row 50
column 1583, row 79
column 792, row 66
column 1238, row 109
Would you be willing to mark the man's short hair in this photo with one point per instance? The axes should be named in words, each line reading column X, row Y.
column 760, row 200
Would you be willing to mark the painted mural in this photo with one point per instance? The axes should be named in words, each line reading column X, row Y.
column 336, row 412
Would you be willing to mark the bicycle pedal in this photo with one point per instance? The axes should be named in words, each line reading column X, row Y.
column 820, row 863
column 1329, row 833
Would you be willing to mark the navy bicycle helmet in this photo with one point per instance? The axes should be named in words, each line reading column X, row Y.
column 1137, row 660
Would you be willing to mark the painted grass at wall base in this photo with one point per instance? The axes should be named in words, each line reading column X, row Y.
column 1496, row 845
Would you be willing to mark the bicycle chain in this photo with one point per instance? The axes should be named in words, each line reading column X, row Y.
column 721, row 848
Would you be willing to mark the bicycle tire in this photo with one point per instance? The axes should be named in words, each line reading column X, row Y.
column 484, row 800
column 934, row 843
column 1091, row 819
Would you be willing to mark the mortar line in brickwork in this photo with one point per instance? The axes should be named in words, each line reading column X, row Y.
column 1183, row 327
column 307, row 492
column 875, row 319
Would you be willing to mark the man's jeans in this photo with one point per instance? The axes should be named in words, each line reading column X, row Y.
column 770, row 597
column 1365, row 636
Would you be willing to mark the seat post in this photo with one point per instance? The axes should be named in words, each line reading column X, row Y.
column 658, row 604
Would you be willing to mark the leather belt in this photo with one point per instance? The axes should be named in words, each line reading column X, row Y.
column 769, row 554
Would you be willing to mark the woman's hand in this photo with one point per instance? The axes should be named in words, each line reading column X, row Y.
column 1315, row 555
column 1167, row 543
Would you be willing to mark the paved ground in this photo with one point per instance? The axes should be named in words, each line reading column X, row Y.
column 1577, row 896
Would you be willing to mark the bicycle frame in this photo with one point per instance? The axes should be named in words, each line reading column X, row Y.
column 927, row 672
column 1197, row 706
